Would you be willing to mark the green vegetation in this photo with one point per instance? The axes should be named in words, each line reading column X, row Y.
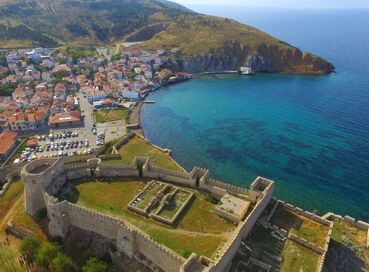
column 7, row 89
column 7, row 201
column 77, row 22
column 21, row 220
column 23, row 33
column 298, row 258
column 44, row 255
column 96, row 265
column 79, row 52
column 201, row 230
column 139, row 147
column 344, row 232
column 104, row 116
column 184, row 244
column 301, row 226
column 8, row 260
column 60, row 22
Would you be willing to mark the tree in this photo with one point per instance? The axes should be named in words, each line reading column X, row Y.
column 46, row 253
column 29, row 247
column 96, row 265
column 61, row 263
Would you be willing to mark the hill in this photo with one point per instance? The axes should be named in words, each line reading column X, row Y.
column 53, row 22
column 206, row 43
column 213, row 44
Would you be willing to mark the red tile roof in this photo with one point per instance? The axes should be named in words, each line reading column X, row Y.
column 7, row 139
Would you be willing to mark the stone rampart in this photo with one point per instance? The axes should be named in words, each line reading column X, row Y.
column 226, row 186
column 45, row 181
column 122, row 141
column 91, row 220
column 229, row 250
column 5, row 170
column 307, row 214
column 162, row 256
column 77, row 170
column 121, row 170
column 171, row 176
column 306, row 243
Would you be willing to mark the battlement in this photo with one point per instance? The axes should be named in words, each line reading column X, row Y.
column 39, row 167
column 76, row 165
column 48, row 176
column 168, row 172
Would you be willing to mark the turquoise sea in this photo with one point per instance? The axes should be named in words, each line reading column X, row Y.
column 309, row 134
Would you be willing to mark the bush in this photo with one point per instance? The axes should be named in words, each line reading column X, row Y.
column 96, row 265
column 29, row 247
column 46, row 253
column 61, row 263
column 8, row 260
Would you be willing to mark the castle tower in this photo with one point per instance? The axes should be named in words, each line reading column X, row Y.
column 37, row 175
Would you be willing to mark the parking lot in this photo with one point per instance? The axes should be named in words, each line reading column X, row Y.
column 61, row 144
column 78, row 140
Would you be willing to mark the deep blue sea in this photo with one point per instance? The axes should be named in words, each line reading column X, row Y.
column 309, row 134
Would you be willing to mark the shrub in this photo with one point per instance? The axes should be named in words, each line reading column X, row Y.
column 61, row 263
column 29, row 247
column 46, row 253
column 96, row 265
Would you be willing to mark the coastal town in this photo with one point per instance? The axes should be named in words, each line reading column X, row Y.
column 51, row 99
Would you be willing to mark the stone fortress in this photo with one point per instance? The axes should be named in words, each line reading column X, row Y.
column 44, row 178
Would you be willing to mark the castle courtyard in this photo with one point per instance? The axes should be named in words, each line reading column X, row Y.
column 198, row 229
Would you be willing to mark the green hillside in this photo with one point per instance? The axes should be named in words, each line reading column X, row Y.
column 45, row 22
column 211, row 44
column 206, row 43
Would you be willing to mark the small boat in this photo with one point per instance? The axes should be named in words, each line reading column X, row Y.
column 245, row 71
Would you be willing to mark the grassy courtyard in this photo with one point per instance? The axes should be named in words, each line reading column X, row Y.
column 198, row 230
column 298, row 258
column 104, row 116
column 301, row 226
column 139, row 147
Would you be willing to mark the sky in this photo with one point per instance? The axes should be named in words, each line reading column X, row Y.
column 282, row 3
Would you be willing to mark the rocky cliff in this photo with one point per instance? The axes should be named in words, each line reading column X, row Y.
column 266, row 59
column 213, row 44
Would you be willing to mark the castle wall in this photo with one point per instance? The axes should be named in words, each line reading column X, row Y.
column 77, row 170
column 4, row 171
column 230, row 249
column 121, row 170
column 93, row 221
column 162, row 256
column 128, row 239
column 177, row 177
